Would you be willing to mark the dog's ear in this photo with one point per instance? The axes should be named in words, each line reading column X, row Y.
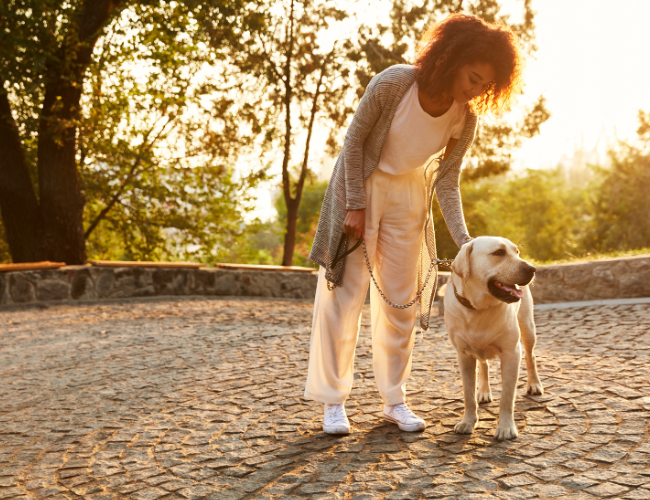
column 462, row 265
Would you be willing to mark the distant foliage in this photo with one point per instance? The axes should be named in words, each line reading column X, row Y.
column 554, row 219
column 261, row 242
column 536, row 209
column 620, row 204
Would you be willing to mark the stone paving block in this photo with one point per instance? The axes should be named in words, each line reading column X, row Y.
column 515, row 494
column 149, row 494
column 481, row 486
column 442, row 491
column 578, row 482
column 517, row 480
column 637, row 495
column 606, row 490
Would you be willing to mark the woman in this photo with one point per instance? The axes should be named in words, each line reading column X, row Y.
column 382, row 188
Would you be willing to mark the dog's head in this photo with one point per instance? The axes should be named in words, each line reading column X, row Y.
column 491, row 265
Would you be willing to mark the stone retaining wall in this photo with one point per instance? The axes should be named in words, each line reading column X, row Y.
column 623, row 278
column 596, row 280
column 93, row 283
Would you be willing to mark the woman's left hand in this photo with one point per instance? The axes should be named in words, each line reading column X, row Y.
column 355, row 223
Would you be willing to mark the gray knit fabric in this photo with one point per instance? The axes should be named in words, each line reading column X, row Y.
column 360, row 156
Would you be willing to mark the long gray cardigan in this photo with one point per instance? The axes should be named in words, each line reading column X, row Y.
column 360, row 156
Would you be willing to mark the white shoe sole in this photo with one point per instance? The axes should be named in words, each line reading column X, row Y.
column 420, row 426
column 336, row 429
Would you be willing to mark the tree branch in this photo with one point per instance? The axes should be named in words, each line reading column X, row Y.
column 138, row 161
column 314, row 109
column 271, row 63
column 381, row 52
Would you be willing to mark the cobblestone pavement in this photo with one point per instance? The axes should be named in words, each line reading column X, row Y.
column 193, row 399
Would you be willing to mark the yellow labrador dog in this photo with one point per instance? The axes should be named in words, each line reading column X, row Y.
column 488, row 309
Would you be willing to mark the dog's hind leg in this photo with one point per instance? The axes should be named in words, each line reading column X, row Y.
column 528, row 338
column 468, row 373
column 484, row 394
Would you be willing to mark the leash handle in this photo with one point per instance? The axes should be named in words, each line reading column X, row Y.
column 342, row 242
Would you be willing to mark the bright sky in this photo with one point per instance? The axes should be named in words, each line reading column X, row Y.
column 593, row 67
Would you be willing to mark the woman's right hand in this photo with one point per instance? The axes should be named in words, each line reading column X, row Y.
column 355, row 223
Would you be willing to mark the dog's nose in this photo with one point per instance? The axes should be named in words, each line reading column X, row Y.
column 527, row 271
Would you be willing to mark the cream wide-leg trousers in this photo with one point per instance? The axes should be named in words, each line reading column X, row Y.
column 395, row 216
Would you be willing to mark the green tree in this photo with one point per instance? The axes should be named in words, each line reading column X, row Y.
column 299, row 81
column 620, row 204
column 383, row 46
column 45, row 48
column 94, row 97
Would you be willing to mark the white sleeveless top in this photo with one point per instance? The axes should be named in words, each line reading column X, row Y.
column 414, row 135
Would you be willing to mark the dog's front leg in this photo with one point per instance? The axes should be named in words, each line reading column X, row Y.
column 510, row 361
column 468, row 373
column 484, row 393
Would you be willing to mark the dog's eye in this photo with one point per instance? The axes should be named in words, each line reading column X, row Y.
column 501, row 252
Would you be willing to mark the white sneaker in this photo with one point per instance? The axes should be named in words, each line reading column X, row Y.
column 336, row 421
column 404, row 418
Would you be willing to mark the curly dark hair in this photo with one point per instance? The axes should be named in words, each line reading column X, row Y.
column 464, row 39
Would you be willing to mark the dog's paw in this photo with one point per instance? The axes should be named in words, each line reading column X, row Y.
column 465, row 426
column 535, row 388
column 506, row 431
column 484, row 396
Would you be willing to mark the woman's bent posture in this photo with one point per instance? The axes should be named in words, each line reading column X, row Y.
column 381, row 190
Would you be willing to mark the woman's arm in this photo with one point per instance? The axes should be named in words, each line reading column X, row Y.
column 450, row 147
column 363, row 121
column 448, row 193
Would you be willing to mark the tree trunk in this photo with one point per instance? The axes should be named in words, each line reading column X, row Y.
column 62, row 201
column 52, row 227
column 292, row 207
column 290, row 235
column 18, row 203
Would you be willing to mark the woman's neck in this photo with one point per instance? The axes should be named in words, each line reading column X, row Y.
column 434, row 107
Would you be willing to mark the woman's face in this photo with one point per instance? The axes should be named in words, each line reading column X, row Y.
column 471, row 81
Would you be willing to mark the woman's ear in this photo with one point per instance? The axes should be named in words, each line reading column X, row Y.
column 462, row 265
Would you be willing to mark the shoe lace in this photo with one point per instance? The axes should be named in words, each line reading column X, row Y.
column 335, row 412
column 404, row 410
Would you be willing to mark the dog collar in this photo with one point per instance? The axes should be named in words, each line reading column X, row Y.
column 461, row 299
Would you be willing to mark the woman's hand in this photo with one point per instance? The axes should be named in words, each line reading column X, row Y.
column 355, row 223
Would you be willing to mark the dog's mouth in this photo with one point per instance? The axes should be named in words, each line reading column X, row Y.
column 505, row 293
